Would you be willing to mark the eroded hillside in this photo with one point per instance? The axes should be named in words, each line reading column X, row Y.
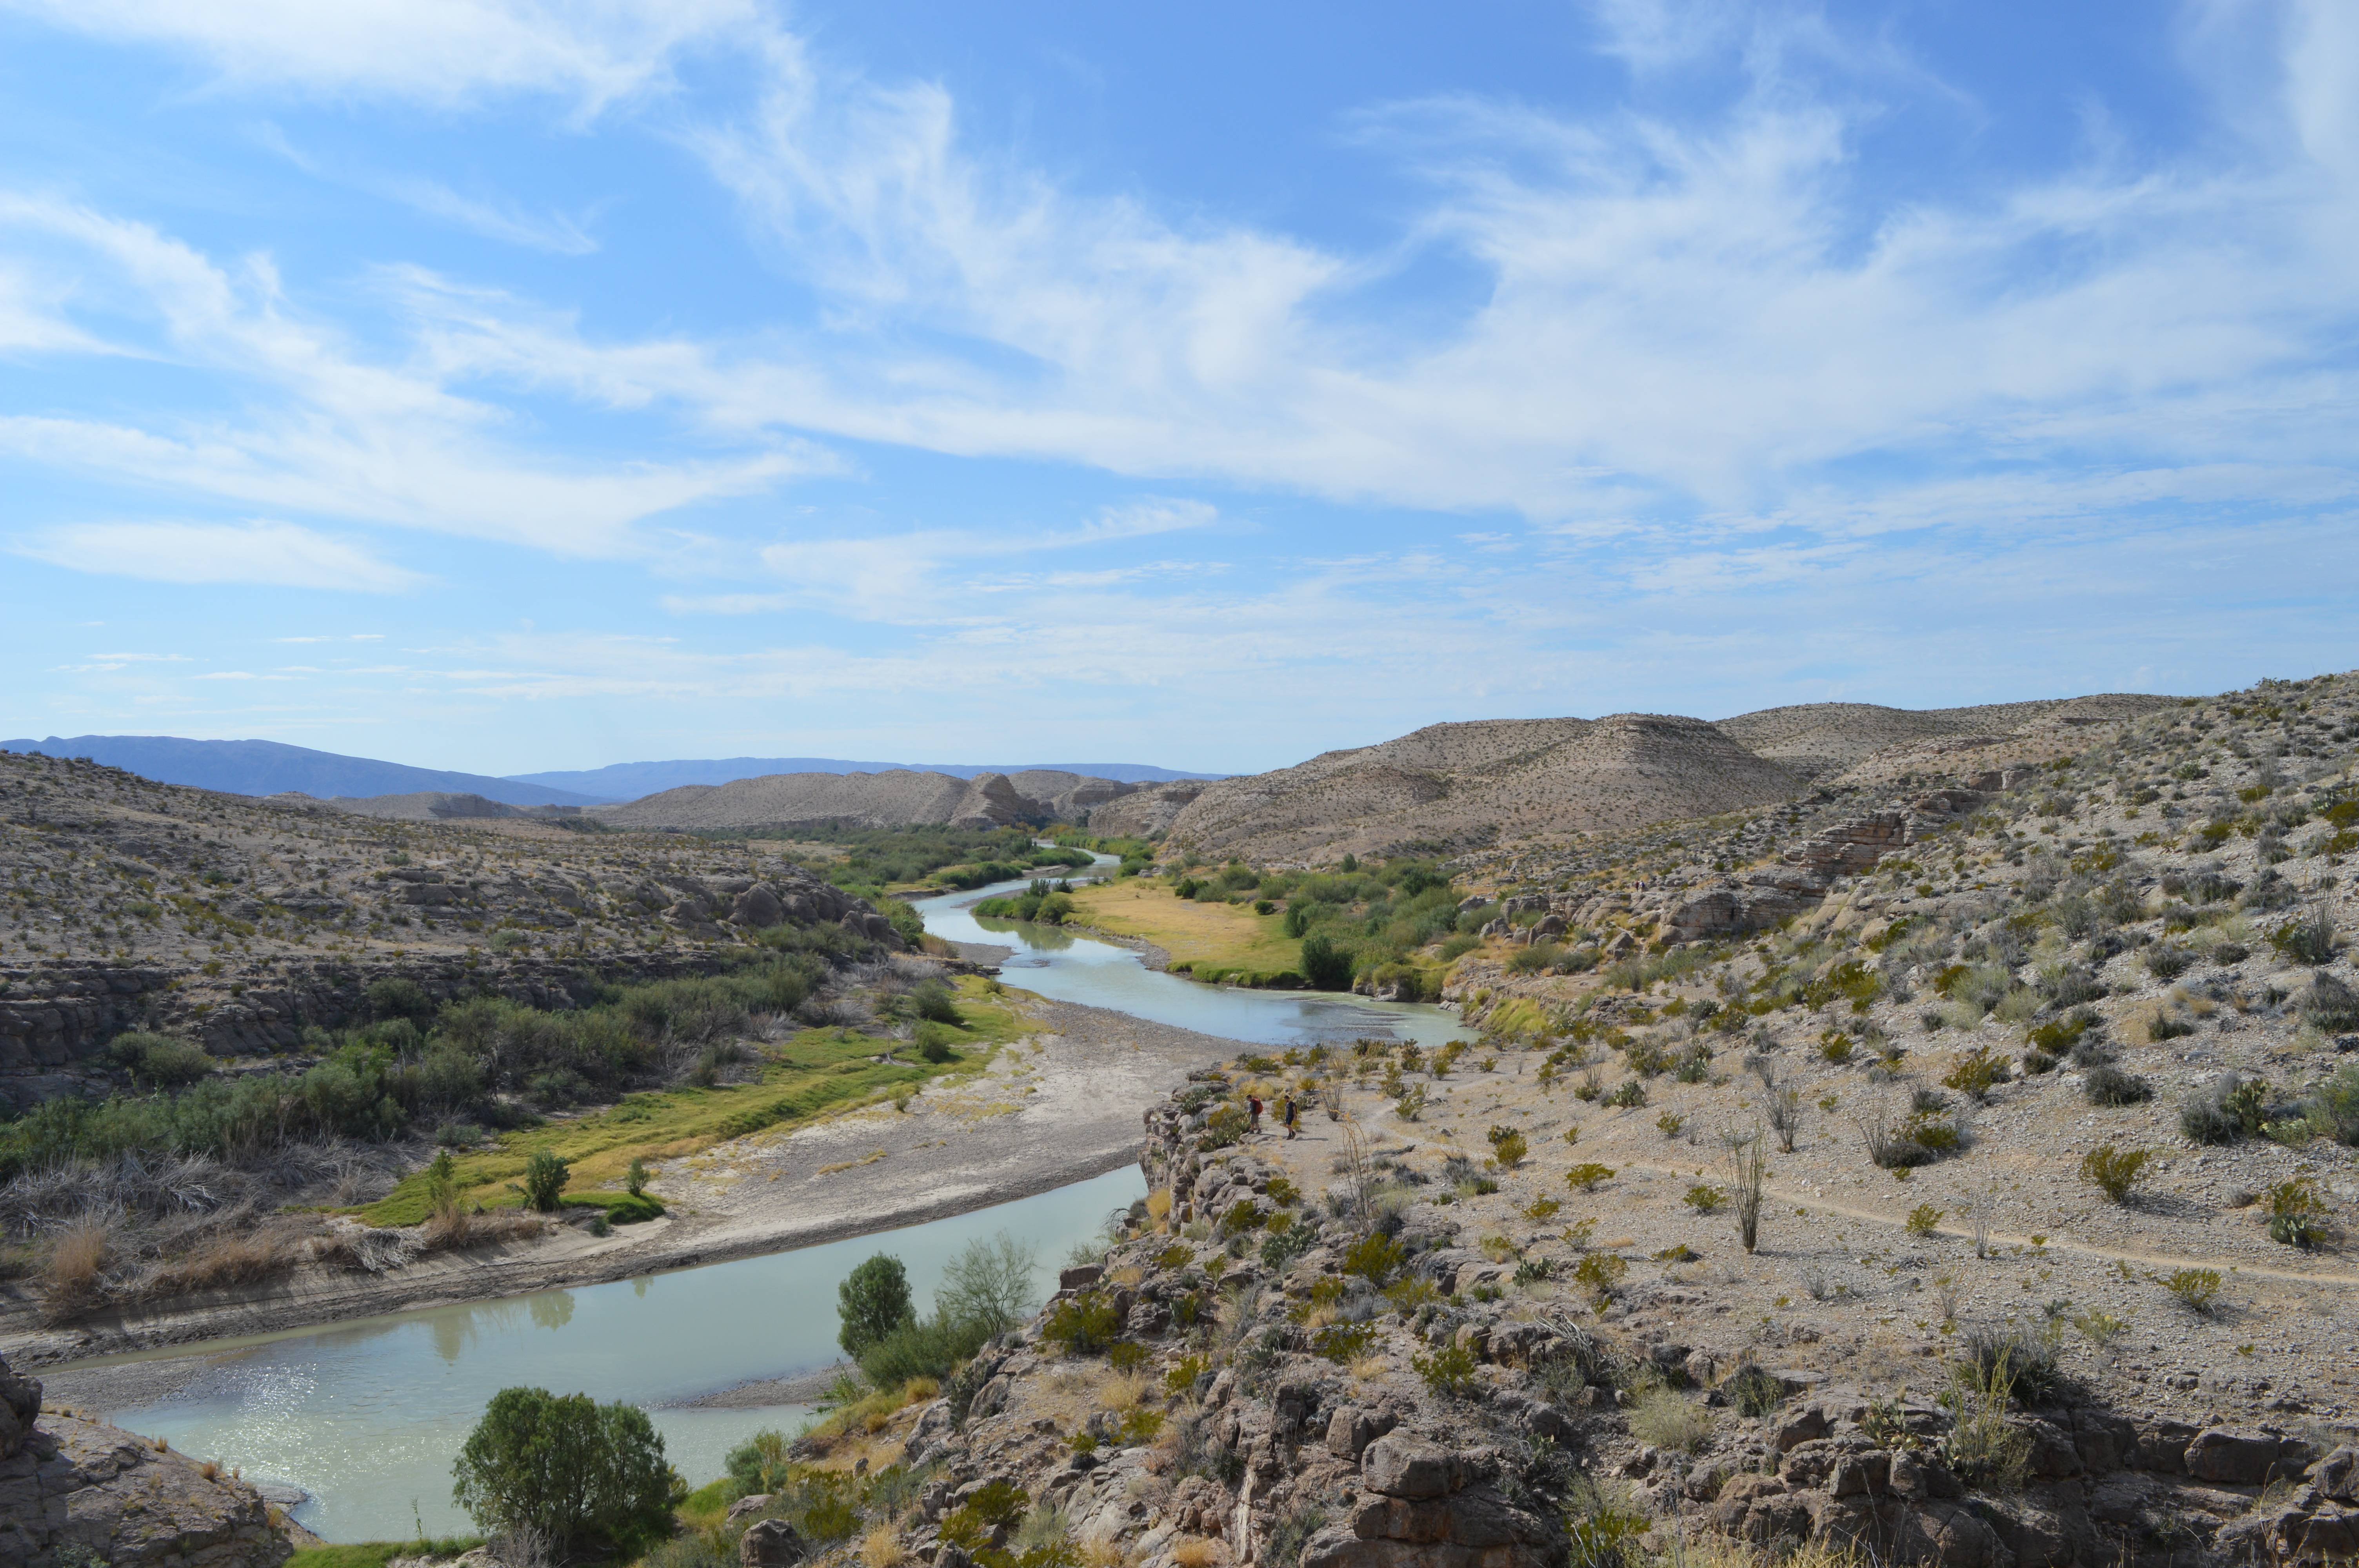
column 1451, row 788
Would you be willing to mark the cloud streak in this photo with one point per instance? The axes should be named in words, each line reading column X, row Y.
column 276, row 555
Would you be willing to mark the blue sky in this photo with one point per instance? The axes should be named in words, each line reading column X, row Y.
column 501, row 384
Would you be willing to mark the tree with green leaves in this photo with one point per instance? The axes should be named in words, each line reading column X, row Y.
column 576, row 1472
column 872, row 1301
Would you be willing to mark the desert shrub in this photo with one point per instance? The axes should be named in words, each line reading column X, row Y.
column 1597, row 1273
column 1923, row 1219
column 871, row 1302
column 935, row 1042
column 2297, row 1212
column 1974, row 1072
column 1082, row 1324
column 1507, row 1147
column 935, row 1002
column 159, row 1060
column 544, row 1180
column 2203, row 1120
column 1704, row 1198
column 2114, row 1172
column 1449, row 1371
column 2329, row 1004
column 1588, row 1176
column 1344, row 1342
column 1630, row 1094
column 1375, row 1257
column 2333, row 1109
column 2198, row 1289
column 2111, row 1086
column 1535, row 959
column 577, row 1472
column 2305, row 939
column 1752, row 1391
column 2167, row 960
column 393, row 997
column 2021, row 1356
column 1668, row 1420
column 1983, row 1446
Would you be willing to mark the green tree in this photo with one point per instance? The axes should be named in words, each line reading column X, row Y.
column 873, row 1301
column 635, row 1180
column 577, row 1473
column 544, row 1180
column 1325, row 965
column 988, row 1284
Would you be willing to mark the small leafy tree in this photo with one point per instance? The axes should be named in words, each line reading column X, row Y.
column 574, row 1472
column 544, row 1180
column 872, row 1301
column 1326, row 967
column 635, row 1180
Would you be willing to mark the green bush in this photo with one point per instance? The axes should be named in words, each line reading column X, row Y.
column 544, row 1180
column 1082, row 1324
column 935, row 1042
column 1449, row 1371
column 2114, row 1172
column 160, row 1061
column 2297, row 1212
column 1375, row 1257
column 2111, row 1086
column 933, row 1000
column 582, row 1475
column 1326, row 967
column 871, row 1302
column 2334, row 1108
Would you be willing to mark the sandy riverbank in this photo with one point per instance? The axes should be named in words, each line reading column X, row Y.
column 1059, row 1106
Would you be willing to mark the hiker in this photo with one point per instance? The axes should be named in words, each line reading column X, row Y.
column 1253, row 1107
column 1290, row 1113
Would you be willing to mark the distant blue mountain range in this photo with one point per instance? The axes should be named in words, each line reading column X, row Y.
column 266, row 767
column 629, row 780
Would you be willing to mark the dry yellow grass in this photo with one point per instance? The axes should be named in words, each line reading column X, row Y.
column 1123, row 1390
column 882, row 1548
column 1158, row 1205
column 75, row 1267
column 1196, row 1552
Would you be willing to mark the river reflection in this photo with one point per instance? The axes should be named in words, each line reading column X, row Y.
column 368, row 1416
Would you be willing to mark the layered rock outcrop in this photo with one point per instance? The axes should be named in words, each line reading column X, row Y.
column 75, row 1492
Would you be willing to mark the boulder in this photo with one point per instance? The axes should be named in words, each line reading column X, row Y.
column 759, row 907
column 82, row 1487
column 746, row 1508
column 2230, row 1458
column 775, row 1543
column 1399, row 1466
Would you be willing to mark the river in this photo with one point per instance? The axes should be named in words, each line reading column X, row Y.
column 365, row 1417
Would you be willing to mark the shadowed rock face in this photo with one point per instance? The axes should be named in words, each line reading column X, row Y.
column 86, row 1488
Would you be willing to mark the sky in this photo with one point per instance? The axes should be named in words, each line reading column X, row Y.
column 507, row 384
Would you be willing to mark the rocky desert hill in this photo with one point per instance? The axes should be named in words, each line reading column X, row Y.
column 1956, row 1167
column 237, row 921
column 1449, row 788
column 902, row 799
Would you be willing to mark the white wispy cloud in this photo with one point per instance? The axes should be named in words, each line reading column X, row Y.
column 334, row 432
column 282, row 555
column 593, row 52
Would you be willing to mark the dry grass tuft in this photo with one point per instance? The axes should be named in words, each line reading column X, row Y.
column 73, row 1276
column 1123, row 1390
column 882, row 1548
column 1196, row 1552
column 1369, row 1369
